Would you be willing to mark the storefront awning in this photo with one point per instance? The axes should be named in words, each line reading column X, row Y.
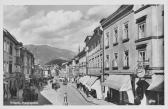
column 118, row 82
column 97, row 86
column 157, row 83
column 86, row 79
column 81, row 79
column 91, row 81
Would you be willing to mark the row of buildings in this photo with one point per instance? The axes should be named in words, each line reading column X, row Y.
column 123, row 61
column 18, row 65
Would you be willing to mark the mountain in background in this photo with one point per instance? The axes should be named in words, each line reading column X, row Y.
column 56, row 61
column 44, row 54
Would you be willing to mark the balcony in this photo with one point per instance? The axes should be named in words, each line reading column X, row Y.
column 143, row 64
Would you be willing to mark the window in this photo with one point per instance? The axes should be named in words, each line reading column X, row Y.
column 115, row 35
column 107, row 40
column 5, row 66
column 4, row 46
column 10, row 66
column 141, row 30
column 17, row 52
column 125, row 31
column 142, row 55
column 98, row 61
column 7, row 47
column 115, row 60
column 98, row 42
column 10, row 49
column 107, row 61
column 92, row 62
column 126, row 59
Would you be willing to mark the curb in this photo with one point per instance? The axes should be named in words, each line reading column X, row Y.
column 84, row 96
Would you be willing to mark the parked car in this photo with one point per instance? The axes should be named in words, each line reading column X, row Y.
column 55, row 85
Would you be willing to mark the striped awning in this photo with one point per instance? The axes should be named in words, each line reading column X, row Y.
column 119, row 82
column 81, row 79
column 86, row 79
column 157, row 83
column 91, row 81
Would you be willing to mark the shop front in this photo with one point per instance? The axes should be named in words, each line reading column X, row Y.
column 94, row 86
column 5, row 90
column 118, row 89
column 149, row 89
column 83, row 80
column 155, row 92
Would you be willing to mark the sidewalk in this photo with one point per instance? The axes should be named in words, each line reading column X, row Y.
column 52, row 95
column 90, row 98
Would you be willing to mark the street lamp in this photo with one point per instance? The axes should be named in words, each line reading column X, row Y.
column 102, row 47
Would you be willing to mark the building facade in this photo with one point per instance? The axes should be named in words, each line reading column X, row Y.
column 133, row 54
column 11, row 65
column 149, row 42
column 27, row 63
column 94, row 54
column 82, row 62
column 94, row 57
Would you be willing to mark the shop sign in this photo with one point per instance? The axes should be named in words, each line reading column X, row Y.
column 140, row 72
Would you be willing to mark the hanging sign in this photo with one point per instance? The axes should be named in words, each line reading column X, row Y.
column 140, row 72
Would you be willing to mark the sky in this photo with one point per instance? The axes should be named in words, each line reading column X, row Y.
column 60, row 26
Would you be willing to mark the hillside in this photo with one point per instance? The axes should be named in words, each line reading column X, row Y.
column 44, row 53
column 56, row 61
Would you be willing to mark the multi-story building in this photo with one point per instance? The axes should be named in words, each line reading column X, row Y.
column 94, row 54
column 149, row 55
column 133, row 54
column 64, row 70
column 82, row 62
column 27, row 63
column 94, row 57
column 11, row 64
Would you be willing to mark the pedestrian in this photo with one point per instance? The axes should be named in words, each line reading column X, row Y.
column 65, row 98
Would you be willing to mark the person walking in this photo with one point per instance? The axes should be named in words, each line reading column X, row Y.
column 65, row 98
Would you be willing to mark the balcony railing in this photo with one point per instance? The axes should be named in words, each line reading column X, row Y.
column 143, row 64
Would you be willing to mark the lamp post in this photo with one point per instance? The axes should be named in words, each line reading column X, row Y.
column 102, row 47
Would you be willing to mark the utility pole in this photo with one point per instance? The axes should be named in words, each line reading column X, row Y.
column 86, row 50
column 103, row 58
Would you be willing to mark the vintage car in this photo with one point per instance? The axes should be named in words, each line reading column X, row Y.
column 55, row 85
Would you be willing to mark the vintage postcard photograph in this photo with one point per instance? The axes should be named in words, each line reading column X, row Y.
column 78, row 55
